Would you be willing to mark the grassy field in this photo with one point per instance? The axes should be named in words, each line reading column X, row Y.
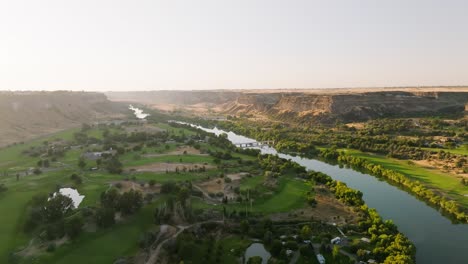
column 434, row 179
column 290, row 194
column 101, row 246
column 462, row 150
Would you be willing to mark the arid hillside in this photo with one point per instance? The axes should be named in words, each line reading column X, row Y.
column 315, row 105
column 25, row 115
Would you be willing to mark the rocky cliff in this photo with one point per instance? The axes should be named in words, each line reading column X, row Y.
column 24, row 115
column 347, row 105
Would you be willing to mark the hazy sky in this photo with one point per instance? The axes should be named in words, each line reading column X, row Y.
column 215, row 44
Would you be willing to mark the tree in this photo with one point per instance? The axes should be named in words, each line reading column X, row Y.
column 113, row 165
column 152, row 183
column 268, row 237
column 244, row 226
column 255, row 260
column 105, row 217
column 306, row 232
column 57, row 207
column 335, row 251
column 110, row 199
column 276, row 248
column 74, row 225
column 130, row 202
column 183, row 195
column 81, row 163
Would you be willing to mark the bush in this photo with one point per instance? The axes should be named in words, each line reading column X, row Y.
column 51, row 247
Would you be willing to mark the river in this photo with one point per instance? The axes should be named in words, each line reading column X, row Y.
column 437, row 239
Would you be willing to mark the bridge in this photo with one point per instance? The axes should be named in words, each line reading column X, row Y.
column 255, row 144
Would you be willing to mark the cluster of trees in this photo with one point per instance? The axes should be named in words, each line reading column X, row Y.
column 287, row 145
column 113, row 165
column 275, row 164
column 378, row 136
column 55, row 216
column 413, row 186
column 390, row 246
column 47, row 149
column 112, row 201
column 177, row 202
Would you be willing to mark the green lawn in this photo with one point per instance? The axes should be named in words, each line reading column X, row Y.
column 462, row 150
column 251, row 182
column 289, row 195
column 434, row 179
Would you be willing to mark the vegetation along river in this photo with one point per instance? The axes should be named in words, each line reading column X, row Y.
column 437, row 239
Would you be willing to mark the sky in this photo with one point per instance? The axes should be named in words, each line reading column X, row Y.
column 125, row 45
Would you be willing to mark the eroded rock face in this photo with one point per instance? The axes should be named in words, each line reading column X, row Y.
column 351, row 107
column 318, row 106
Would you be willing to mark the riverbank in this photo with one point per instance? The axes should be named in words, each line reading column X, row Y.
column 421, row 223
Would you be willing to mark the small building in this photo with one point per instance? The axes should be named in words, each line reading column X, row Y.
column 336, row 240
column 370, row 261
column 98, row 155
column 321, row 258
column 365, row 239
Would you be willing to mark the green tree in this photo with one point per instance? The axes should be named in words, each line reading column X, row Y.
column 255, row 260
column 335, row 251
column 130, row 202
column 57, row 207
column 306, row 232
column 81, row 163
column 105, row 217
column 74, row 225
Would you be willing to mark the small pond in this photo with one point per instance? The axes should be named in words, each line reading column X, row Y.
column 73, row 194
column 257, row 249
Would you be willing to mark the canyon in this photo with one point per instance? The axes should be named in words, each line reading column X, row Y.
column 314, row 105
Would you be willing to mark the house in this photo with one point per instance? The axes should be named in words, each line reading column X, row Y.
column 97, row 155
column 320, row 259
column 336, row 240
column 365, row 239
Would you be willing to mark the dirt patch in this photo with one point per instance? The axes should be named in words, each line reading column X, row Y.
column 125, row 186
column 218, row 185
column 213, row 186
column 447, row 168
column 237, row 176
column 357, row 125
column 165, row 166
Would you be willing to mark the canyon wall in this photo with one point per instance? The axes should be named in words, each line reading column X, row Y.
column 25, row 115
column 346, row 105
